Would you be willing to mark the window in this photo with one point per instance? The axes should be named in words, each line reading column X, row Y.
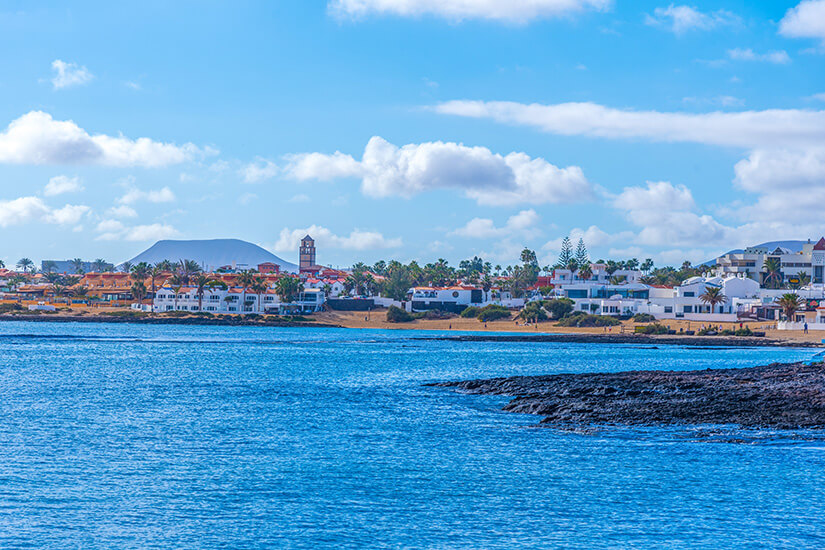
column 690, row 294
column 688, row 309
column 668, row 309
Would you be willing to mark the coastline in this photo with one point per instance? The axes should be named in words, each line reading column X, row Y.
column 466, row 330
column 779, row 395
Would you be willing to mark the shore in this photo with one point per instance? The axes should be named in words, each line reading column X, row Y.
column 504, row 329
column 782, row 396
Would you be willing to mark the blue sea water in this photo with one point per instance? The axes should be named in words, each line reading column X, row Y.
column 133, row 436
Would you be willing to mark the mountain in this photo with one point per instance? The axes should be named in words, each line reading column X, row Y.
column 212, row 254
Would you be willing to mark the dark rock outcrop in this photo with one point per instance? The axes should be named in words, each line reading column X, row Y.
column 785, row 396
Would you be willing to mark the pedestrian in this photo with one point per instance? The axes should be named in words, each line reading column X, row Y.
column 805, row 328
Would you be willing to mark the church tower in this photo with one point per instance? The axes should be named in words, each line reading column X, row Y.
column 306, row 253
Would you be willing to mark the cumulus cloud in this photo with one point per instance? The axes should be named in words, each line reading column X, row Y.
column 67, row 75
column 593, row 236
column 157, row 196
column 512, row 11
column 259, row 170
column 122, row 211
column 748, row 129
column 114, row 230
column 489, row 178
column 680, row 19
column 665, row 213
column 523, row 223
column 37, row 138
column 62, row 184
column 781, row 170
column 806, row 20
column 779, row 57
column 289, row 239
column 31, row 209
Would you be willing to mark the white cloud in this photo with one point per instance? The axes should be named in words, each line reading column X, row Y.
column 356, row 240
column 136, row 195
column 67, row 75
column 259, row 170
column 62, row 184
column 818, row 97
column 665, row 214
column 299, row 198
column 36, row 138
column 512, row 11
column 593, row 237
column 766, row 171
column 806, row 20
column 680, row 19
column 29, row 209
column 779, row 57
column 523, row 223
column 122, row 211
column 321, row 167
column 489, row 178
column 114, row 230
column 749, row 129
column 247, row 198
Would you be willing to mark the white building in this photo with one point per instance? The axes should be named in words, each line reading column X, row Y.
column 750, row 263
column 235, row 301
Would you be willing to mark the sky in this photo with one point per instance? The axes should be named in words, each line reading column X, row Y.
column 411, row 129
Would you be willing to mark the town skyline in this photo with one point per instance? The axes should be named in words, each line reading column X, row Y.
column 660, row 130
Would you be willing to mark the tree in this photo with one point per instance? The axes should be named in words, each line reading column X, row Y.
column 566, row 254
column 773, row 272
column 77, row 266
column 99, row 265
column 789, row 303
column 203, row 283
column 287, row 288
column 186, row 269
column 258, row 287
column 617, row 279
column 533, row 312
column 139, row 291
column 140, row 272
column 25, row 264
column 559, row 308
column 803, row 279
column 165, row 265
column 126, row 267
column 175, row 285
column 581, row 255
column 585, row 272
column 647, row 265
column 244, row 280
column 2, row 264
column 48, row 266
column 153, row 272
column 713, row 296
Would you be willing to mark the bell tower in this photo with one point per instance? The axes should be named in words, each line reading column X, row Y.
column 306, row 253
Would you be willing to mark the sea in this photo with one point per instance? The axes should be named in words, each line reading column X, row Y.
column 186, row 437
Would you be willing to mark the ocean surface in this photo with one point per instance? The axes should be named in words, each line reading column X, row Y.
column 134, row 436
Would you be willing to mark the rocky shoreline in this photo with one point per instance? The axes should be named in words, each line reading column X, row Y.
column 780, row 395
column 613, row 338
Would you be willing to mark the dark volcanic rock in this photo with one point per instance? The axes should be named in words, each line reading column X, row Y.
column 783, row 396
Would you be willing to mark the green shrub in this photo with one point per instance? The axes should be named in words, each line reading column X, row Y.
column 397, row 315
column 558, row 308
column 7, row 308
column 744, row 332
column 493, row 312
column 654, row 328
column 643, row 318
column 582, row 319
column 533, row 312
column 470, row 312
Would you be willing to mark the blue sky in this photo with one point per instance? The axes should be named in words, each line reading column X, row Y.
column 401, row 129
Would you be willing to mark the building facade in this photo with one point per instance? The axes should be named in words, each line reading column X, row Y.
column 306, row 254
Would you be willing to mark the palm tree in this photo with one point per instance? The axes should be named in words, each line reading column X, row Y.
column 773, row 272
column 139, row 291
column 2, row 264
column 804, row 278
column 187, row 269
column 140, row 271
column 585, row 272
column 617, row 279
column 153, row 272
column 258, row 286
column 126, row 267
column 790, row 304
column 175, row 284
column 99, row 265
column 48, row 266
column 77, row 264
column 165, row 265
column 288, row 287
column 202, row 284
column 245, row 280
column 713, row 296
column 24, row 264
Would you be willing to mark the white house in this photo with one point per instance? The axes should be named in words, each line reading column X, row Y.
column 234, row 301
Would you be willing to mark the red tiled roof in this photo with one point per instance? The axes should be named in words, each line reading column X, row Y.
column 820, row 245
